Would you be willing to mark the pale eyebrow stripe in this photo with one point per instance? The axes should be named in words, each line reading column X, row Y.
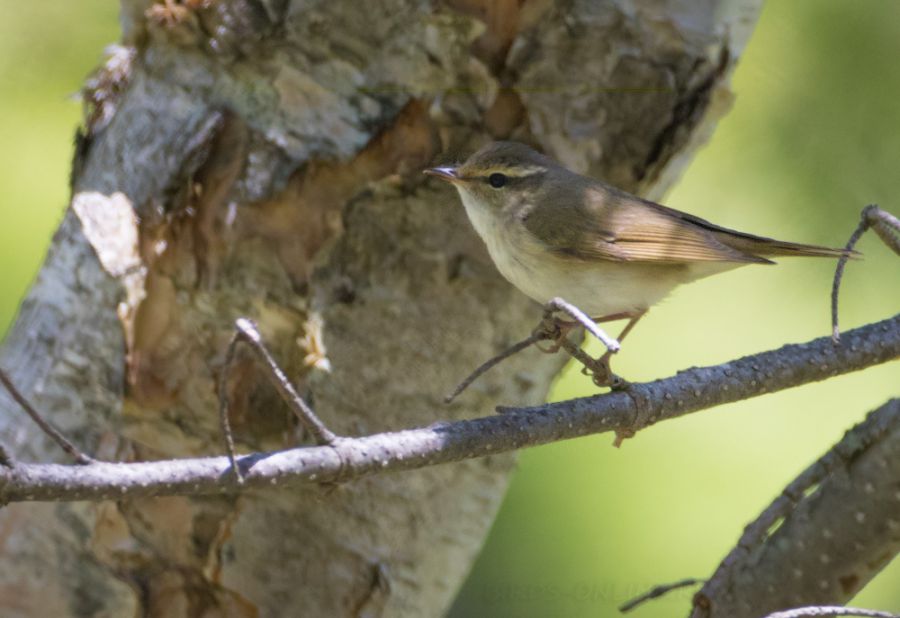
column 514, row 172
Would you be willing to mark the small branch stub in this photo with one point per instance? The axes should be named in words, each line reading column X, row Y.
column 658, row 591
column 39, row 420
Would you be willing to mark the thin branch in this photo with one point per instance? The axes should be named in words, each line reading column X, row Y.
column 887, row 226
column 225, row 405
column 830, row 610
column 349, row 458
column 537, row 335
column 46, row 427
column 658, row 591
column 550, row 328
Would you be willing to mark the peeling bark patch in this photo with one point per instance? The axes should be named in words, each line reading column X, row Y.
column 187, row 536
column 149, row 346
column 503, row 20
column 182, row 246
column 212, row 185
column 180, row 592
column 306, row 215
column 505, row 114
column 110, row 226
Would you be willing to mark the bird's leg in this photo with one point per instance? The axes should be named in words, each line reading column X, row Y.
column 599, row 370
column 608, row 378
column 633, row 319
column 555, row 330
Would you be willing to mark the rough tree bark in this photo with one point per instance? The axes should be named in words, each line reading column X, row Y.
column 261, row 158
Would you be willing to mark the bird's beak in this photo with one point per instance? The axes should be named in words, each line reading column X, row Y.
column 444, row 173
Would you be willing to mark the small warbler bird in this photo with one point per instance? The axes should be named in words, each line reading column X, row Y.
column 554, row 233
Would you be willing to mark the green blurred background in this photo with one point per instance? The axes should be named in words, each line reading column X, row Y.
column 814, row 136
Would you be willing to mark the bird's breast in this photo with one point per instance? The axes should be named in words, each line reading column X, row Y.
column 597, row 287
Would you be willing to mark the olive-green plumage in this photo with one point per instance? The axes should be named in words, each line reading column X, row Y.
column 554, row 233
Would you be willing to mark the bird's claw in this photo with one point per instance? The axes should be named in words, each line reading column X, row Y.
column 554, row 330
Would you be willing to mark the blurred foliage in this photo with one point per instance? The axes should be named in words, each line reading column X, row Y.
column 810, row 141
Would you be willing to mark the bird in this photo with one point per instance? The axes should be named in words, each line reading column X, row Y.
column 554, row 233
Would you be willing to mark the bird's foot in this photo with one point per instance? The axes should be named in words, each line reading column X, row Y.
column 555, row 330
column 600, row 373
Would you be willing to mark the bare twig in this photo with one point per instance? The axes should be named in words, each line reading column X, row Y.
column 537, row 335
column 549, row 329
column 246, row 332
column 830, row 610
column 46, row 427
column 224, row 405
column 349, row 458
column 658, row 591
column 887, row 227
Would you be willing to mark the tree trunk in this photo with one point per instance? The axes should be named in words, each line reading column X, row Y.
column 261, row 158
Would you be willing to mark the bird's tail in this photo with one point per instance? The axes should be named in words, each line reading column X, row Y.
column 783, row 248
column 769, row 247
column 761, row 247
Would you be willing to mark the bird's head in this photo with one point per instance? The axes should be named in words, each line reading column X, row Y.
column 500, row 174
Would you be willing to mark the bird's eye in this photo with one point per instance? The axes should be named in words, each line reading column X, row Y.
column 497, row 180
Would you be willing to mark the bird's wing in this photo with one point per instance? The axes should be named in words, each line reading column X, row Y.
column 609, row 224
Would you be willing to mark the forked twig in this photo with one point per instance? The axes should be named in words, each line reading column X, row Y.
column 658, row 591
column 887, row 226
column 246, row 332
column 549, row 329
column 46, row 427
column 831, row 610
